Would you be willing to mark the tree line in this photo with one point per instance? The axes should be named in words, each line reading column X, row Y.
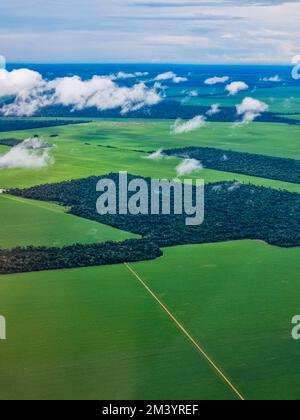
column 280, row 169
column 21, row 260
column 233, row 211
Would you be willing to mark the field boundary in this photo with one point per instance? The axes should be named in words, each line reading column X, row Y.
column 185, row 332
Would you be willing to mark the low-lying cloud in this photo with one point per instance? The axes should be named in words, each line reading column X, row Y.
column 215, row 109
column 17, row 82
column 195, row 123
column 250, row 109
column 123, row 75
column 236, row 87
column 30, row 154
column 158, row 155
column 170, row 76
column 188, row 166
column 273, row 79
column 31, row 93
column 216, row 80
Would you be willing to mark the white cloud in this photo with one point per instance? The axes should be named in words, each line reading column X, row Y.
column 123, row 75
column 158, row 155
column 215, row 109
column 216, row 80
column 18, row 81
column 250, row 109
column 187, row 166
column 195, row 123
column 170, row 76
column 235, row 87
column 30, row 154
column 274, row 79
column 193, row 93
column 32, row 93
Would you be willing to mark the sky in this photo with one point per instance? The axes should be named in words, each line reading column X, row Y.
column 150, row 31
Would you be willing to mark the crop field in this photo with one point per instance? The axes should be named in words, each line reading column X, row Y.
column 237, row 299
column 150, row 203
column 81, row 150
column 97, row 333
column 102, row 326
column 28, row 222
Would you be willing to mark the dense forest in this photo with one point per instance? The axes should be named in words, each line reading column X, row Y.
column 9, row 124
column 244, row 163
column 233, row 211
column 29, row 259
column 165, row 110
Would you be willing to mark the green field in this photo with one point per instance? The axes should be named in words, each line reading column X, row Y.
column 75, row 159
column 279, row 98
column 238, row 300
column 95, row 334
column 29, row 222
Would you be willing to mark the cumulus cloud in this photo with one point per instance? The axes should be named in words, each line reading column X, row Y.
column 195, row 123
column 274, row 79
column 32, row 92
column 215, row 80
column 250, row 109
column 30, row 154
column 19, row 81
column 215, row 109
column 235, row 87
column 170, row 76
column 187, row 166
column 158, row 155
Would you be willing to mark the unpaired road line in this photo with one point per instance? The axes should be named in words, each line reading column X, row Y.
column 181, row 327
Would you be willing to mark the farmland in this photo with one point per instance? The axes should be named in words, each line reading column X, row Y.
column 80, row 151
column 96, row 333
column 28, row 222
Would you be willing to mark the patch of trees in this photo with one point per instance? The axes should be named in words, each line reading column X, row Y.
column 233, row 211
column 27, row 124
column 10, row 142
column 21, row 260
column 168, row 109
column 244, row 163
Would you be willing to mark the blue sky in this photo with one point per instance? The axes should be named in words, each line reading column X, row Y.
column 167, row 31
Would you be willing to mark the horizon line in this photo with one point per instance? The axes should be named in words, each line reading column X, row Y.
column 12, row 62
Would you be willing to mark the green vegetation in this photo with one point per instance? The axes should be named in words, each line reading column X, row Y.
column 74, row 159
column 13, row 124
column 94, row 333
column 237, row 299
column 24, row 260
column 258, row 213
column 28, row 222
column 246, row 163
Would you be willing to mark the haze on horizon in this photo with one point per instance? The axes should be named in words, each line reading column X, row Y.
column 166, row 31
